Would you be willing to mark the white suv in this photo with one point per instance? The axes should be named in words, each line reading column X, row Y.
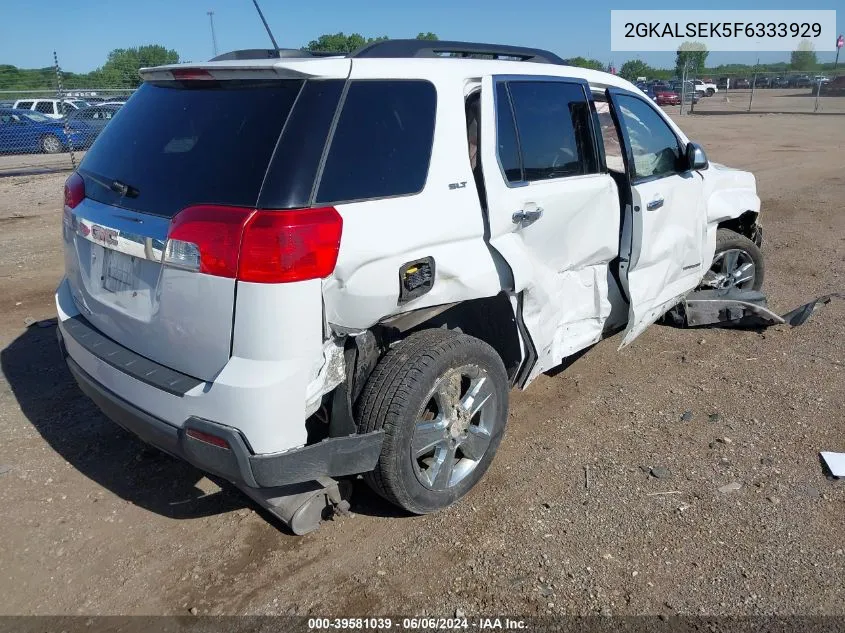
column 708, row 89
column 52, row 108
column 295, row 270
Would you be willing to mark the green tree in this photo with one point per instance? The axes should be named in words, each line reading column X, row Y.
column 583, row 62
column 122, row 66
column 804, row 57
column 341, row 43
column 693, row 56
column 634, row 68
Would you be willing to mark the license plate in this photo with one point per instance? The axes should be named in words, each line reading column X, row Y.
column 118, row 271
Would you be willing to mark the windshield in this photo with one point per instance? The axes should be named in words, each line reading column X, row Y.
column 37, row 117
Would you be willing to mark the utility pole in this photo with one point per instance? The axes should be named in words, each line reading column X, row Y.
column 213, row 36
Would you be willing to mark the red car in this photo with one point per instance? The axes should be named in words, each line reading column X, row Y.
column 665, row 97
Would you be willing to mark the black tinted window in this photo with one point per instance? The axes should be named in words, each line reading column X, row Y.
column 555, row 134
column 179, row 144
column 24, row 105
column 382, row 144
column 653, row 143
column 44, row 107
column 290, row 179
column 507, row 146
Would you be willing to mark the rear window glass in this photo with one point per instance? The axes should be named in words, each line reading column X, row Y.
column 382, row 144
column 177, row 144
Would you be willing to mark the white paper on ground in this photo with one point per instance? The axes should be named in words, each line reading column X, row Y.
column 836, row 463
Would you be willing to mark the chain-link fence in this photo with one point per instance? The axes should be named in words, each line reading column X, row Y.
column 764, row 93
column 46, row 125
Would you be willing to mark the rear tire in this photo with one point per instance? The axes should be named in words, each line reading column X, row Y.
column 710, row 92
column 50, row 144
column 441, row 398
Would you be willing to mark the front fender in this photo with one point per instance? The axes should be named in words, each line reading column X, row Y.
column 729, row 193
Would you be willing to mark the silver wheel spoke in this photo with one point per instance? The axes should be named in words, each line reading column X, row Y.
column 427, row 435
column 448, row 394
column 729, row 262
column 440, row 471
column 744, row 273
column 476, row 443
column 477, row 396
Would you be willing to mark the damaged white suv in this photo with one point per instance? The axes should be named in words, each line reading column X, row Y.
column 291, row 270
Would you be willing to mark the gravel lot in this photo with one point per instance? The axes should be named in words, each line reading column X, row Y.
column 95, row 523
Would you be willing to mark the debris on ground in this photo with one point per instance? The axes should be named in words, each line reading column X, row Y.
column 660, row 472
column 835, row 463
column 687, row 416
column 732, row 487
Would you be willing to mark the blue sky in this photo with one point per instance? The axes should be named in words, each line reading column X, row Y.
column 83, row 32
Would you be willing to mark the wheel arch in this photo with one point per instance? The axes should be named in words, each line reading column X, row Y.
column 746, row 224
column 490, row 319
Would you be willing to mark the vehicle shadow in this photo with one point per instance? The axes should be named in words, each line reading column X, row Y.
column 98, row 448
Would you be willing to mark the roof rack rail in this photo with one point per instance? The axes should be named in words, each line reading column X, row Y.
column 428, row 48
column 270, row 53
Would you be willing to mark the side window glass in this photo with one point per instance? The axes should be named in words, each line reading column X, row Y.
column 506, row 144
column 553, row 122
column 382, row 143
column 44, row 107
column 25, row 105
column 653, row 143
column 611, row 138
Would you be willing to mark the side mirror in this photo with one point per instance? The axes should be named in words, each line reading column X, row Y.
column 696, row 158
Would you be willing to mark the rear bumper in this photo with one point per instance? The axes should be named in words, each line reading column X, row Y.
column 333, row 457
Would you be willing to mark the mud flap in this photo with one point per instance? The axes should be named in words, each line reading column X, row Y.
column 302, row 507
column 742, row 309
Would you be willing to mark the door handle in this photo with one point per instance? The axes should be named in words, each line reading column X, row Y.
column 655, row 204
column 524, row 218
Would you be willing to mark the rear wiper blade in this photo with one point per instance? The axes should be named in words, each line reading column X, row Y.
column 123, row 189
column 115, row 185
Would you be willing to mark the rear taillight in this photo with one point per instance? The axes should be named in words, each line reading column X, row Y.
column 74, row 190
column 280, row 246
column 256, row 246
column 207, row 239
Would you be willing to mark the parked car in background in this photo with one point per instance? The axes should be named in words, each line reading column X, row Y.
column 51, row 108
column 800, row 81
column 722, row 83
column 740, row 83
column 116, row 99
column 667, row 97
column 95, row 117
column 708, row 89
column 649, row 91
column 763, row 82
column 28, row 131
column 833, row 88
column 780, row 82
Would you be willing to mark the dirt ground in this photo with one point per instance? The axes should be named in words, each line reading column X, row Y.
column 95, row 523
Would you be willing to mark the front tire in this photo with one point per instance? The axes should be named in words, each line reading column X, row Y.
column 710, row 92
column 441, row 398
column 737, row 263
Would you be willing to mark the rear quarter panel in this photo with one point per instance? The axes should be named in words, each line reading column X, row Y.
column 444, row 223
